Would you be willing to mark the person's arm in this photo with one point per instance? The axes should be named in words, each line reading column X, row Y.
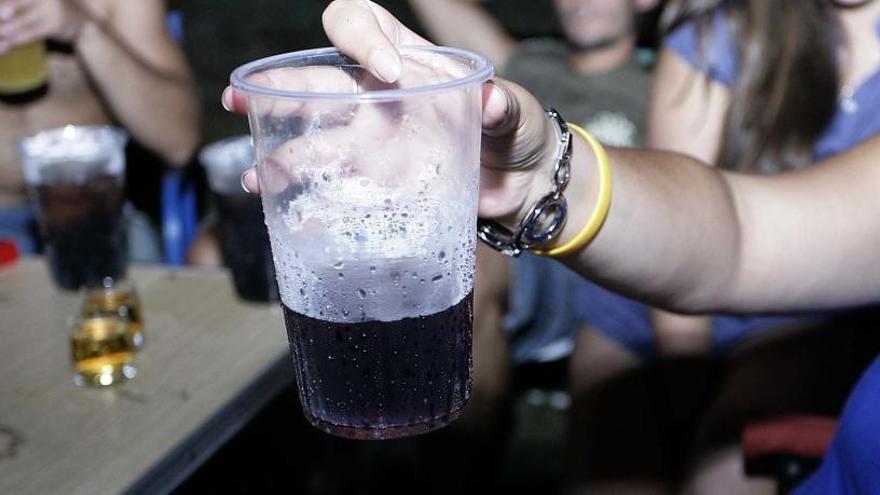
column 129, row 55
column 465, row 24
column 679, row 234
column 686, row 114
column 692, row 239
column 143, row 76
column 686, row 111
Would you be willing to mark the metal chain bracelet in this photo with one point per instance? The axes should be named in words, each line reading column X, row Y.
column 547, row 217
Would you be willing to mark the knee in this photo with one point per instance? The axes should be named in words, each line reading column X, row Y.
column 679, row 335
column 597, row 359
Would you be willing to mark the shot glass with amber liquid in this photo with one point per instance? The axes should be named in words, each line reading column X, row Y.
column 102, row 350
column 116, row 298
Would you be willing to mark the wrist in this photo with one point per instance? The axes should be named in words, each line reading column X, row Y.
column 69, row 21
column 582, row 192
column 546, row 228
column 543, row 219
column 69, row 33
column 88, row 33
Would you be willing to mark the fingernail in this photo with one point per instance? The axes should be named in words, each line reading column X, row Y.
column 386, row 65
column 224, row 99
column 243, row 184
column 495, row 108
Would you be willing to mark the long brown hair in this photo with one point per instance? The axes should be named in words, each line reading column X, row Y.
column 785, row 93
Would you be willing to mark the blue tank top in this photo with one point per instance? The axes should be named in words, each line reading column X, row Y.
column 852, row 463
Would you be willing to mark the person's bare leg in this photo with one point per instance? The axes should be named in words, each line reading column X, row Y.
column 205, row 248
column 680, row 335
column 723, row 473
column 615, row 438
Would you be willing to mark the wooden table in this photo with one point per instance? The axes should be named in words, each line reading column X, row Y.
column 209, row 364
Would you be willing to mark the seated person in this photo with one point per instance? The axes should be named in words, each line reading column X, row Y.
column 706, row 96
column 525, row 308
column 110, row 62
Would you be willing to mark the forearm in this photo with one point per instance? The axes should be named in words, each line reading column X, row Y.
column 671, row 234
column 691, row 239
column 157, row 107
column 464, row 24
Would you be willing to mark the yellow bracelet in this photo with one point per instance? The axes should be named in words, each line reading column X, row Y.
column 600, row 213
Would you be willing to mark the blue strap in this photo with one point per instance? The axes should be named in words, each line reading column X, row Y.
column 178, row 192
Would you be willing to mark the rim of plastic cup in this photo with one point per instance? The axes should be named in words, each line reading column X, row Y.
column 37, row 160
column 216, row 147
column 71, row 131
column 482, row 72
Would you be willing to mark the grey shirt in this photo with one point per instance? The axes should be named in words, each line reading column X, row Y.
column 609, row 105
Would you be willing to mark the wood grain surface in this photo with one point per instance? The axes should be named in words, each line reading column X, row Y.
column 209, row 363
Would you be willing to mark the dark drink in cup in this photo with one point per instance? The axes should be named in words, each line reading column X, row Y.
column 244, row 242
column 383, row 379
column 74, row 176
column 82, row 227
column 380, row 323
column 370, row 196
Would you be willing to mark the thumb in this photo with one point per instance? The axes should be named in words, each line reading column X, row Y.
column 501, row 111
column 516, row 133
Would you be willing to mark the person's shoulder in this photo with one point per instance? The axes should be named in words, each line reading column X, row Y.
column 707, row 44
column 114, row 9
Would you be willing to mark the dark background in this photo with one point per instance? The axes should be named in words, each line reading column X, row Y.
column 220, row 35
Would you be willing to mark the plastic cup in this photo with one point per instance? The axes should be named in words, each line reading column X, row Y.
column 24, row 73
column 244, row 240
column 74, row 177
column 370, row 195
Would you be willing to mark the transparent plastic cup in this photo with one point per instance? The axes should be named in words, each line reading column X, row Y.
column 74, row 176
column 24, row 73
column 370, row 195
column 244, row 240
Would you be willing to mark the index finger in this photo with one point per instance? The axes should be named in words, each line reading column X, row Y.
column 369, row 34
column 322, row 79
